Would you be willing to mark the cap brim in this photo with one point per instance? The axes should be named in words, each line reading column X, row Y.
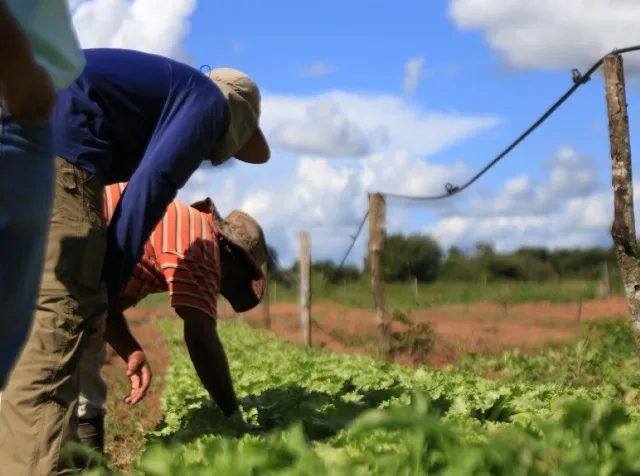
column 256, row 150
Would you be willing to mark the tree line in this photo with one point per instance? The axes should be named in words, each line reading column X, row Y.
column 420, row 257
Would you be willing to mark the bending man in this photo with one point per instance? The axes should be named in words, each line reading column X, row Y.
column 194, row 255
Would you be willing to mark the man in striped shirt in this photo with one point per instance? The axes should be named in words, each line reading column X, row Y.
column 195, row 255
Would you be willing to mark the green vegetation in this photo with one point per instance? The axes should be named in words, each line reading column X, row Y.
column 403, row 296
column 349, row 415
column 605, row 355
column 421, row 257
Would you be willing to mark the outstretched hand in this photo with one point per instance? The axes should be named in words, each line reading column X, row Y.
column 245, row 426
column 139, row 373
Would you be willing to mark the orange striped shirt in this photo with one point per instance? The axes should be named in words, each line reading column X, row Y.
column 181, row 256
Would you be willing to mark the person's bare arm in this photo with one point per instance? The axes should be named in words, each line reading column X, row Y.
column 209, row 358
column 117, row 332
column 118, row 335
column 27, row 91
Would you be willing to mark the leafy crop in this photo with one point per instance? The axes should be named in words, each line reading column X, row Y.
column 349, row 415
column 605, row 356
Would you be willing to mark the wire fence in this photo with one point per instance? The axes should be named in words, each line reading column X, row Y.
column 405, row 315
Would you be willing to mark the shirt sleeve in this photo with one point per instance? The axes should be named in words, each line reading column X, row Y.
column 192, row 283
column 186, row 133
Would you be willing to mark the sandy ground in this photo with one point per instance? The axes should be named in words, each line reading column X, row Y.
column 479, row 327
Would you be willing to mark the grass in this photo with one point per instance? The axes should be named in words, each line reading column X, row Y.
column 403, row 295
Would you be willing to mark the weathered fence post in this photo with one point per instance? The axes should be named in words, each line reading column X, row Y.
column 345, row 294
column 305, row 288
column 266, row 316
column 623, row 230
column 377, row 234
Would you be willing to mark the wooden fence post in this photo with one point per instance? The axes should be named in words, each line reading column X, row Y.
column 266, row 316
column 377, row 235
column 345, row 294
column 623, row 230
column 305, row 287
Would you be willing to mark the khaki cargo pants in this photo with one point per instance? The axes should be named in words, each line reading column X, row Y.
column 39, row 404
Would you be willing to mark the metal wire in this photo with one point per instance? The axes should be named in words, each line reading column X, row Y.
column 451, row 190
column 578, row 80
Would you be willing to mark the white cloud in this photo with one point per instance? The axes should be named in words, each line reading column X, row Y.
column 571, row 208
column 326, row 131
column 154, row 26
column 413, row 72
column 318, row 68
column 390, row 143
column 549, row 33
column 571, row 175
column 330, row 200
column 347, row 124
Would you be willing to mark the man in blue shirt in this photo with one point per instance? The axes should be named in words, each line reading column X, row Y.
column 130, row 116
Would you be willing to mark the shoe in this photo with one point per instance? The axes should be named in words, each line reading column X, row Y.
column 91, row 433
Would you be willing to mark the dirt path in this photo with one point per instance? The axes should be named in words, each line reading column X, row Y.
column 480, row 327
column 125, row 424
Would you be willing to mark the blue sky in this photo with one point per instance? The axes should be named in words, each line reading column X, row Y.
column 496, row 62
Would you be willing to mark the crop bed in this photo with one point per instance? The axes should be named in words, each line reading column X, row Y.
column 349, row 415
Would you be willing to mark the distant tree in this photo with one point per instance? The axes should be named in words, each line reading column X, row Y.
column 455, row 252
column 333, row 274
column 409, row 256
column 482, row 249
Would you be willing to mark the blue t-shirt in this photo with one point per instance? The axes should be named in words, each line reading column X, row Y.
column 142, row 118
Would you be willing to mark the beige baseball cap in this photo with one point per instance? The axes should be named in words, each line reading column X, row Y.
column 244, row 139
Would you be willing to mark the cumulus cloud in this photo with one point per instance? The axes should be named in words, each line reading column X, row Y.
column 390, row 143
column 552, row 34
column 330, row 200
column 347, row 124
column 570, row 208
column 413, row 72
column 154, row 26
column 571, row 175
column 326, row 131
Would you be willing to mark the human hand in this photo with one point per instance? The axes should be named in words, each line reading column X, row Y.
column 28, row 94
column 139, row 373
column 244, row 425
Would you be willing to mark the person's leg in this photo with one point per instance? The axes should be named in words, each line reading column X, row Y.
column 40, row 401
column 27, row 177
column 93, row 391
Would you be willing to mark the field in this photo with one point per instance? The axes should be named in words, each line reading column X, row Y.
column 548, row 388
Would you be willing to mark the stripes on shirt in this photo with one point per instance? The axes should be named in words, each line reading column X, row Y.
column 181, row 256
